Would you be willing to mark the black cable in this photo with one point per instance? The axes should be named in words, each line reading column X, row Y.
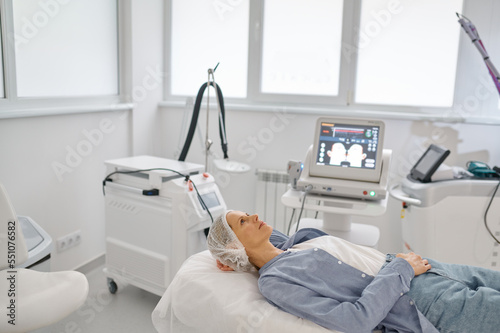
column 317, row 212
column 194, row 120
column 136, row 171
column 290, row 222
column 308, row 188
column 486, row 213
column 186, row 178
column 222, row 121
column 202, row 202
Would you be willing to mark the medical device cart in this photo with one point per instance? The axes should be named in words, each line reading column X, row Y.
column 444, row 220
column 338, row 210
column 155, row 219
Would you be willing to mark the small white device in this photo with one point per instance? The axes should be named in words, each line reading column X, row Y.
column 157, row 211
column 294, row 169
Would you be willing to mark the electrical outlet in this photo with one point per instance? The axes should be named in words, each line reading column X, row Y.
column 68, row 241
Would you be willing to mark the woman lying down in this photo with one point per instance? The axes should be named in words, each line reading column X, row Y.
column 351, row 288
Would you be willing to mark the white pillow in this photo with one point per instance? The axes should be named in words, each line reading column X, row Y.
column 202, row 298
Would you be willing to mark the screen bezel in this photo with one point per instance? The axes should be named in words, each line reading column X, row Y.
column 210, row 199
column 338, row 172
column 424, row 176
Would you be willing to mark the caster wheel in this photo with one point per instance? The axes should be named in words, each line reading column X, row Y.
column 112, row 286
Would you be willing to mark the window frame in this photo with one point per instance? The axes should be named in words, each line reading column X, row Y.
column 256, row 44
column 13, row 106
column 344, row 104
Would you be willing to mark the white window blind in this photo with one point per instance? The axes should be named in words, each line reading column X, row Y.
column 66, row 48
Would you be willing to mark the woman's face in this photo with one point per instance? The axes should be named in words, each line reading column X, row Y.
column 248, row 228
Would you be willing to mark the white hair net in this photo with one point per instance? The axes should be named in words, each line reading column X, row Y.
column 226, row 247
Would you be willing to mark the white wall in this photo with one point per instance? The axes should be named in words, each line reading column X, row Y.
column 268, row 140
column 71, row 198
column 147, row 59
column 52, row 168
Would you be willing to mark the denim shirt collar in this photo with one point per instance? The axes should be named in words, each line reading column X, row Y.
column 272, row 261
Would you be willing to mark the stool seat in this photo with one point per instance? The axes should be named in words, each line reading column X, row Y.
column 37, row 299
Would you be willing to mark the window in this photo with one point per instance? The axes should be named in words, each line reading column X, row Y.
column 60, row 56
column 366, row 55
column 216, row 32
column 301, row 47
column 66, row 48
column 408, row 52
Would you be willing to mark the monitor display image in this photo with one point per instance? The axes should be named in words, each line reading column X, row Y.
column 348, row 149
column 345, row 145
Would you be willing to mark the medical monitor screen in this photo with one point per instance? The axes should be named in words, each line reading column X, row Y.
column 210, row 199
column 429, row 163
column 350, row 149
column 348, row 146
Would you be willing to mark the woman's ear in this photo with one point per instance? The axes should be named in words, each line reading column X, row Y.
column 223, row 267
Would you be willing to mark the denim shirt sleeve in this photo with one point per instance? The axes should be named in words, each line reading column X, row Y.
column 331, row 300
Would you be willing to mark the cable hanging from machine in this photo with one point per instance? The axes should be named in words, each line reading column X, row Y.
column 186, row 179
column 196, row 113
column 109, row 179
column 486, row 213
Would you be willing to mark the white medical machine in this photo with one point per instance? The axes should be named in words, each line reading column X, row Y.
column 345, row 173
column 156, row 216
column 448, row 220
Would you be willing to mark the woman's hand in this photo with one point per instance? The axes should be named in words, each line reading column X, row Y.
column 419, row 265
column 223, row 267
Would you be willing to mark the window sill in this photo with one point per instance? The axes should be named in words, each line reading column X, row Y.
column 61, row 110
column 352, row 111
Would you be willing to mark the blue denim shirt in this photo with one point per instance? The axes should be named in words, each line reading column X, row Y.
column 314, row 285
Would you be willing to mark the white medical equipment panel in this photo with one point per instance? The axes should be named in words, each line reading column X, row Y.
column 445, row 221
column 339, row 200
column 39, row 245
column 149, row 234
